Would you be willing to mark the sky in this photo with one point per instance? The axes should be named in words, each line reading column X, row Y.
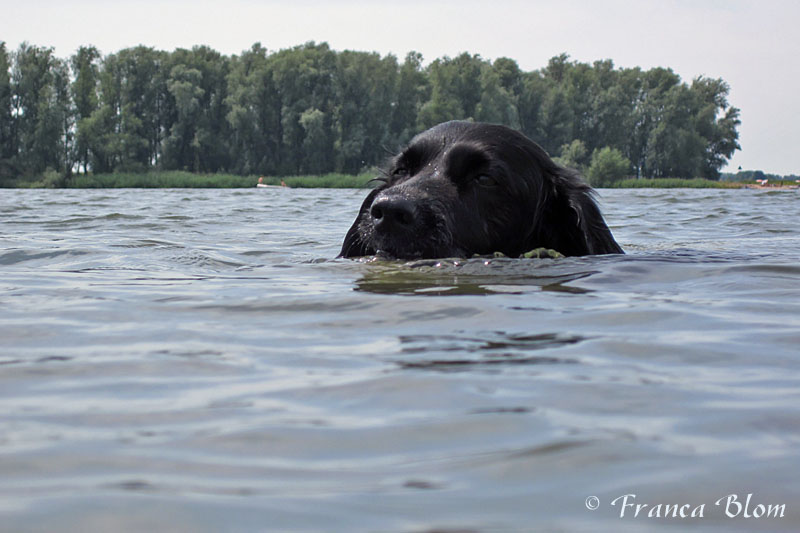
column 752, row 45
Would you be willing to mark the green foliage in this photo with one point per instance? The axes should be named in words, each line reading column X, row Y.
column 7, row 142
column 413, row 89
column 608, row 166
column 40, row 129
column 499, row 93
column 573, row 155
column 254, row 113
column 85, row 71
column 312, row 110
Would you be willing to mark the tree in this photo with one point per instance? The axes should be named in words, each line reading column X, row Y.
column 254, row 114
column 183, row 144
column 7, row 146
column 134, row 71
column 614, row 109
column 213, row 132
column 443, row 104
column 63, row 116
column 304, row 78
column 413, row 90
column 510, row 75
column 607, row 167
column 581, row 90
column 529, row 104
column 365, row 91
column 557, row 68
column 85, row 71
column 675, row 147
column 455, row 90
column 648, row 112
column 125, row 128
column 311, row 109
column 716, row 122
column 316, row 143
column 40, row 111
column 498, row 104
column 555, row 120
column 573, row 155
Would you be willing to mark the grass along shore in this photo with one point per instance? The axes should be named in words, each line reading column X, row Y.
column 698, row 183
column 186, row 180
column 177, row 179
column 675, row 183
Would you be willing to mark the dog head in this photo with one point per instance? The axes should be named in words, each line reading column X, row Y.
column 463, row 188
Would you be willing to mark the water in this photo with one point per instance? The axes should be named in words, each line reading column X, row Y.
column 195, row 360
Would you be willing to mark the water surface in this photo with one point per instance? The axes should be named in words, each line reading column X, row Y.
column 195, row 360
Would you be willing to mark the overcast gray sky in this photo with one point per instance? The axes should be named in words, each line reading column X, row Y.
column 753, row 45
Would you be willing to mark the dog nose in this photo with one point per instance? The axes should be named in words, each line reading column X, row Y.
column 393, row 213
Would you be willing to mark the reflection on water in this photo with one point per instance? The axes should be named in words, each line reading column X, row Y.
column 198, row 361
column 471, row 276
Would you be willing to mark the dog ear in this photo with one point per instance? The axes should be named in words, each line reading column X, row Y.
column 595, row 233
column 354, row 245
column 591, row 233
column 568, row 218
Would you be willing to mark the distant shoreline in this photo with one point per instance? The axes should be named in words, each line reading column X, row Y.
column 771, row 187
column 699, row 183
column 188, row 180
column 177, row 179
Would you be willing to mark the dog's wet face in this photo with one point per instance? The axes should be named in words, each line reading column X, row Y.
column 457, row 190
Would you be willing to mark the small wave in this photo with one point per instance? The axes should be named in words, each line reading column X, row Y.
column 148, row 243
column 15, row 257
column 178, row 218
column 457, row 352
column 491, row 343
column 766, row 269
column 108, row 217
column 451, row 365
column 207, row 261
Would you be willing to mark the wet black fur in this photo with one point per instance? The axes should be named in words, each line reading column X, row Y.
column 463, row 188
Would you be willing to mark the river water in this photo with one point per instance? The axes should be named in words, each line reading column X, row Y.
column 196, row 360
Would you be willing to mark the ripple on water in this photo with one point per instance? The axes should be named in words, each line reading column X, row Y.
column 198, row 361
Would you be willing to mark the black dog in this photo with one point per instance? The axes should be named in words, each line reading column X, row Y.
column 462, row 188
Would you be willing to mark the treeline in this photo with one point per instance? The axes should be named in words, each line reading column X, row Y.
column 313, row 110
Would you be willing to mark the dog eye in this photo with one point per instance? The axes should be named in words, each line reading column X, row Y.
column 399, row 172
column 485, row 181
